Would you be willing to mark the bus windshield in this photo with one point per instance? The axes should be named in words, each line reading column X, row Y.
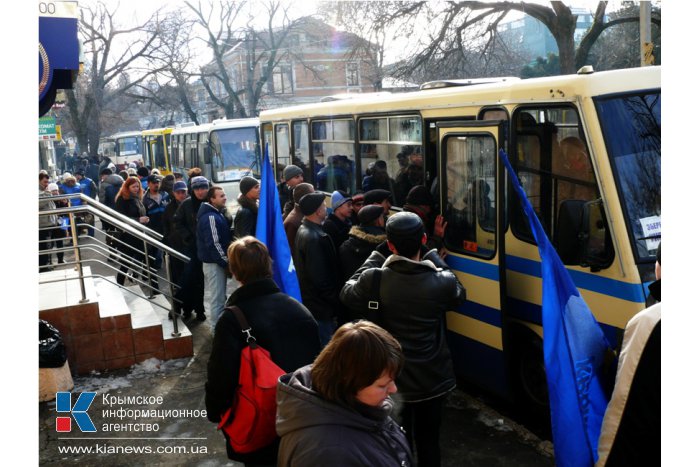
column 128, row 145
column 631, row 126
column 235, row 152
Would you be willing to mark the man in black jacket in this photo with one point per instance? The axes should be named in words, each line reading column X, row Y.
column 317, row 268
column 170, row 235
column 191, row 292
column 415, row 290
column 362, row 241
column 338, row 222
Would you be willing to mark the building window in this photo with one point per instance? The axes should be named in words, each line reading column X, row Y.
column 352, row 74
column 282, row 80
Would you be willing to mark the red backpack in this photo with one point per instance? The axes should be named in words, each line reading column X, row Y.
column 250, row 422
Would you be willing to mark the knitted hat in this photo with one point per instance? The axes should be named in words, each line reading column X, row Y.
column 404, row 224
column 291, row 171
column 376, row 196
column 199, row 182
column 310, row 203
column 338, row 198
column 301, row 190
column 52, row 187
column 247, row 183
column 419, row 196
column 179, row 186
column 368, row 214
column 142, row 172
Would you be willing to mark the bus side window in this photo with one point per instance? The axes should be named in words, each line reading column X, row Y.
column 469, row 182
column 555, row 170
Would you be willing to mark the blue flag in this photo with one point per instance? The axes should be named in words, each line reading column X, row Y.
column 270, row 231
column 574, row 350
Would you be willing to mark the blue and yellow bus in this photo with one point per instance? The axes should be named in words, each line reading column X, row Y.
column 587, row 149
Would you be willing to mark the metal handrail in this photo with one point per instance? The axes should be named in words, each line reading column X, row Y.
column 125, row 224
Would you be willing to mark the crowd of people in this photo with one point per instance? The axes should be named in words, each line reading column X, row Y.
column 336, row 251
column 365, row 350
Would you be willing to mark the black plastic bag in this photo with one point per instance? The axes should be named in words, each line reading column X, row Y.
column 52, row 351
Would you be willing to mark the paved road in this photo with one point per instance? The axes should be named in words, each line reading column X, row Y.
column 473, row 434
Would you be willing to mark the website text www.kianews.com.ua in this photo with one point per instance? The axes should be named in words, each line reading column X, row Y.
column 101, row 448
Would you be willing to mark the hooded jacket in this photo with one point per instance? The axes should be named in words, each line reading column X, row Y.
column 315, row 431
column 356, row 249
column 414, row 297
column 109, row 188
column 213, row 235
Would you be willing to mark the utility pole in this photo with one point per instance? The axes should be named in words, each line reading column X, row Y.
column 646, row 47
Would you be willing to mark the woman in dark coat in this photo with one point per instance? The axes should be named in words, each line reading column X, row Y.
column 128, row 202
column 336, row 411
column 280, row 324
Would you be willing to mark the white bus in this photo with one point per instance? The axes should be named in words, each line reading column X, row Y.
column 225, row 150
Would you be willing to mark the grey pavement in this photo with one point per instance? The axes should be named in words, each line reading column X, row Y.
column 170, row 395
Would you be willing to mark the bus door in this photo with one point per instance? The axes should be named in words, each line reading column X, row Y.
column 471, row 187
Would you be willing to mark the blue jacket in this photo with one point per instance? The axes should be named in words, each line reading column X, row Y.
column 88, row 187
column 213, row 235
column 155, row 210
column 71, row 191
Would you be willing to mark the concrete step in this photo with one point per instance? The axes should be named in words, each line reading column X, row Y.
column 142, row 313
column 67, row 291
column 110, row 297
column 167, row 323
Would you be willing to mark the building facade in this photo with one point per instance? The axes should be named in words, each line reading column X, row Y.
column 313, row 61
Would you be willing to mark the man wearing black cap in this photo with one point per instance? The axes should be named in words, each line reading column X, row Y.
column 362, row 240
column 191, row 291
column 293, row 221
column 171, row 236
column 247, row 214
column 380, row 197
column 292, row 176
column 143, row 173
column 408, row 294
column 155, row 201
column 316, row 264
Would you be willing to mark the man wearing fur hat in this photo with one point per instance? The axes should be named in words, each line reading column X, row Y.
column 247, row 215
column 317, row 268
column 362, row 240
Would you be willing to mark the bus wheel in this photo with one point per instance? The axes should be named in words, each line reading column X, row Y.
column 532, row 379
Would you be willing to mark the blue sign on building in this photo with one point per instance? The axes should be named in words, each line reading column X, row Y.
column 59, row 50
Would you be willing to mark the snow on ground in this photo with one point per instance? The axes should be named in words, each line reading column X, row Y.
column 109, row 381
